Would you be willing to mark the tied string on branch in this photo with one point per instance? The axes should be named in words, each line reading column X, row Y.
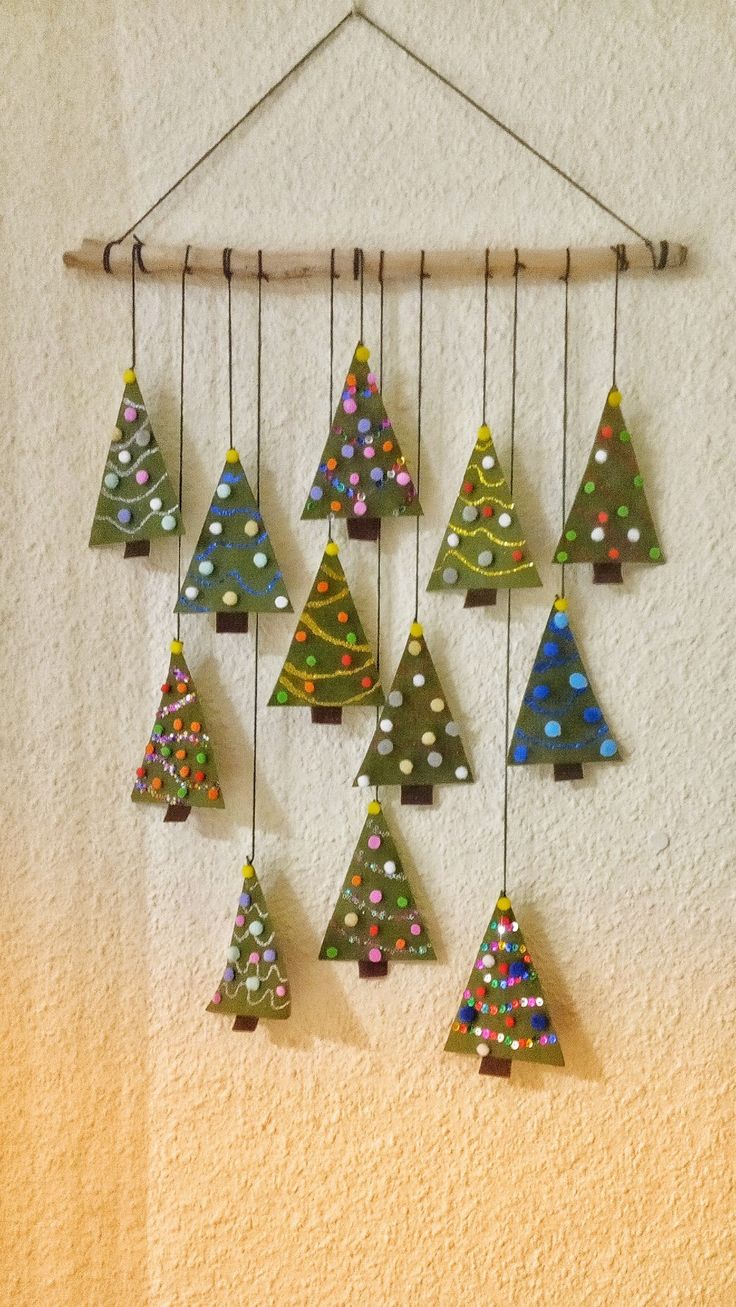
column 514, row 338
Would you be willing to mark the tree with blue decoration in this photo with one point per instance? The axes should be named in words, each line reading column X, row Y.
column 234, row 570
column 560, row 721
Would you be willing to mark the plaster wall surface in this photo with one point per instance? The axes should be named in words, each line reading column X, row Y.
column 150, row 1155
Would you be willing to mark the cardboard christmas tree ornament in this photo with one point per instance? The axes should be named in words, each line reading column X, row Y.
column 254, row 983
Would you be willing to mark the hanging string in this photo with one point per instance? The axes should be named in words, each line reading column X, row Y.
column 485, row 331
column 332, row 359
column 259, row 357
column 514, row 337
column 618, row 253
column 419, row 428
column 226, row 268
column 184, row 272
column 566, row 280
column 378, row 542
column 132, row 305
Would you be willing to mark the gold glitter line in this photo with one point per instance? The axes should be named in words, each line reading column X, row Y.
column 484, row 530
column 311, row 675
column 314, row 627
column 484, row 571
column 308, row 699
column 331, row 599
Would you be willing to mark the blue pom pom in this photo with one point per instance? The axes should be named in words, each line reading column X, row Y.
column 541, row 692
column 553, row 729
column 467, row 1015
column 551, row 649
column 521, row 753
column 592, row 714
column 517, row 969
column 578, row 681
column 608, row 748
column 560, row 621
column 539, row 1021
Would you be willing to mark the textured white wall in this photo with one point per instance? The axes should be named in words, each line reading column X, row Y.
column 151, row 1156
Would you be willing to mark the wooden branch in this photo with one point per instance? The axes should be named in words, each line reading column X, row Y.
column 586, row 263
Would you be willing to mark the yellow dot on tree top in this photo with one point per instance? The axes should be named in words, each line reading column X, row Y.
column 561, row 605
column 129, row 375
column 416, row 629
column 484, row 434
column 503, row 903
column 331, row 548
column 614, row 398
column 176, row 646
column 232, row 456
column 374, row 807
column 248, row 872
column 362, row 353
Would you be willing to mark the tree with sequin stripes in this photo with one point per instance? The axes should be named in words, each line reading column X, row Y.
column 330, row 664
column 254, row 983
column 484, row 547
column 560, row 721
column 503, row 1014
column 234, row 570
column 136, row 501
column 362, row 475
column 375, row 919
column 417, row 741
column 609, row 522
column 178, row 769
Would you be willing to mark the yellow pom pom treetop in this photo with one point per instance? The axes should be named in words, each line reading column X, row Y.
column 362, row 353
column 416, row 629
column 248, row 872
column 374, row 808
column 232, row 456
column 129, row 376
column 177, row 646
column 332, row 549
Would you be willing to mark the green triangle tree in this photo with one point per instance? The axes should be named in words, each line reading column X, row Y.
column 417, row 742
column 560, row 721
column 484, row 547
column 233, row 570
column 254, row 982
column 503, row 1015
column 178, row 768
column 362, row 475
column 136, row 502
column 330, row 664
column 609, row 522
column 375, row 919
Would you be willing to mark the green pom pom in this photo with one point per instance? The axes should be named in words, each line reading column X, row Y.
column 589, row 487
column 622, row 510
column 331, row 952
column 624, row 437
column 571, row 535
column 562, row 556
column 282, row 697
column 655, row 552
column 638, row 481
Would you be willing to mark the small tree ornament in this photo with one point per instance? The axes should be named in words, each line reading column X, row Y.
column 417, row 741
column 362, row 475
column 330, row 664
column 560, row 721
column 178, row 769
column 254, row 983
column 503, row 1015
column 375, row 919
column 610, row 523
column 136, row 503
column 234, row 570
column 484, row 547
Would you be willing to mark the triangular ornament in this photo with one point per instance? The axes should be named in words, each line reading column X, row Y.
column 560, row 721
column 178, row 768
column 362, row 475
column 417, row 741
column 609, row 522
column 254, row 984
column 376, row 919
column 503, row 1014
column 484, row 547
column 233, row 570
column 136, row 500
column 330, row 664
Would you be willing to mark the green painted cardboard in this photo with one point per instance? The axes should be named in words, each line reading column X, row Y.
column 610, row 521
column 484, row 546
column 376, row 917
column 254, row 982
column 503, row 1010
column 179, row 765
column 362, row 473
column 560, row 720
column 136, row 500
column 417, row 741
column 234, row 568
column 330, row 663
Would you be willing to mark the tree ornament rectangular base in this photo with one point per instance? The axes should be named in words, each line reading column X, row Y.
column 495, row 1066
column 372, row 970
column 568, row 771
column 237, row 623
column 245, row 1023
column 177, row 812
column 418, row 795
column 327, row 716
column 607, row 574
column 364, row 528
column 480, row 599
column 137, row 549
